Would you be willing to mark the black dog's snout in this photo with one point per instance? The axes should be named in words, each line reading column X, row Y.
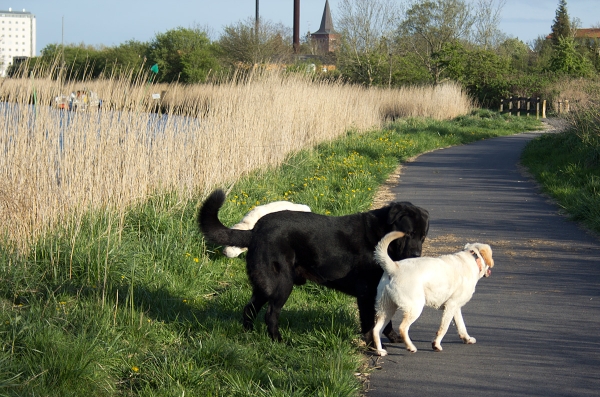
column 415, row 254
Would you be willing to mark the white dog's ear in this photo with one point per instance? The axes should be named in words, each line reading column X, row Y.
column 486, row 252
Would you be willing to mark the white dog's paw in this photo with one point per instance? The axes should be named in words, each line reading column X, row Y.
column 469, row 340
column 436, row 346
column 233, row 252
column 382, row 352
column 412, row 349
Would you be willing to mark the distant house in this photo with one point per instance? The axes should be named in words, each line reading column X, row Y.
column 585, row 35
column 325, row 40
column 589, row 37
column 593, row 33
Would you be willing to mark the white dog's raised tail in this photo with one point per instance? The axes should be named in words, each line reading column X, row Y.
column 381, row 255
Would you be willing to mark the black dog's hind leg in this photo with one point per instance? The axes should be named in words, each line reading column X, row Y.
column 366, row 313
column 391, row 334
column 251, row 310
column 276, row 302
column 366, row 309
column 275, row 289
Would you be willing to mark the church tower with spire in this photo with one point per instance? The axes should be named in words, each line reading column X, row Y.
column 325, row 40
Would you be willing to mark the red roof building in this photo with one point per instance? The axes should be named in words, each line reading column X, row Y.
column 593, row 33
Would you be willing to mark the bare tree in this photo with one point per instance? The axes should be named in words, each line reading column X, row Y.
column 367, row 28
column 487, row 17
column 241, row 43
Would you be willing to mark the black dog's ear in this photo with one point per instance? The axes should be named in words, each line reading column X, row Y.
column 424, row 215
column 397, row 211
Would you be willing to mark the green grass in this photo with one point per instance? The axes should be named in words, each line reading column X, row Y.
column 136, row 304
column 567, row 165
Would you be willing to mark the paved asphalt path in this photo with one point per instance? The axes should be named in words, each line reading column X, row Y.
column 536, row 319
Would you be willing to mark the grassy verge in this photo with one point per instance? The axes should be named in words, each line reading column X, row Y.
column 134, row 303
column 567, row 165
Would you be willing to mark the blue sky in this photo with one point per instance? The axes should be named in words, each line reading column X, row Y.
column 111, row 22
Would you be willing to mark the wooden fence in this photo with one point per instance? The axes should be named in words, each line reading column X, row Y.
column 521, row 105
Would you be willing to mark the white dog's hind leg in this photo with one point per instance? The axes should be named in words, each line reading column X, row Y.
column 446, row 318
column 462, row 328
column 385, row 310
column 410, row 316
column 381, row 318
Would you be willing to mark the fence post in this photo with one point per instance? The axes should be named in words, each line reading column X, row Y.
column 528, row 106
column 544, row 109
column 567, row 108
column 518, row 106
column 501, row 105
column 537, row 108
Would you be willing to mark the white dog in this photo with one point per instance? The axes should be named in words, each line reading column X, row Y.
column 447, row 281
column 253, row 216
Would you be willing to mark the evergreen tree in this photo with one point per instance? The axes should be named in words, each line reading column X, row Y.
column 562, row 24
column 566, row 59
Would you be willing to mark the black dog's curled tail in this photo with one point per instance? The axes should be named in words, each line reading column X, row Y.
column 211, row 227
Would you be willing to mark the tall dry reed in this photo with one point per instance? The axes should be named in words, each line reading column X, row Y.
column 57, row 164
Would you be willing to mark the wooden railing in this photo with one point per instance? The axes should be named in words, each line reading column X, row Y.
column 521, row 105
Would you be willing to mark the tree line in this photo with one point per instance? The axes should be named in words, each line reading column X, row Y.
column 382, row 43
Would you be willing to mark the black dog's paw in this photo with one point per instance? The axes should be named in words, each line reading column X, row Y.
column 368, row 339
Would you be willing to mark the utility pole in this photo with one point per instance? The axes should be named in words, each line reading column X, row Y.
column 62, row 46
column 256, row 22
column 296, row 26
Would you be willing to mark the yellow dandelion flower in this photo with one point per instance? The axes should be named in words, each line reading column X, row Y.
column 135, row 369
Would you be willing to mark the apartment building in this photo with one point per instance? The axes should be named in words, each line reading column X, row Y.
column 17, row 37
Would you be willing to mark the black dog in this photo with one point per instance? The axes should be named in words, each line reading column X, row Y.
column 288, row 247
